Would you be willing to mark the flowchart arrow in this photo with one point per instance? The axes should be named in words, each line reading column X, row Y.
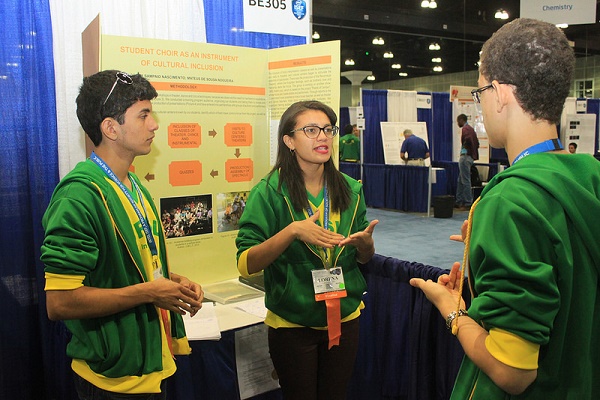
column 238, row 153
column 214, row 173
column 212, row 133
column 149, row 177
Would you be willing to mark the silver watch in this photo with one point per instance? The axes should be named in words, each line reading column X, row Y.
column 452, row 316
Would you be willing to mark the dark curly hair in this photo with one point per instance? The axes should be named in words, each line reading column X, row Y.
column 91, row 106
column 290, row 173
column 536, row 58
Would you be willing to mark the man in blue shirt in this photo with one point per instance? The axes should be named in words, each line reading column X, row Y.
column 414, row 150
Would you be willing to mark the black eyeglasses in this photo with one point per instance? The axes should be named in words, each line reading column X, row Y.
column 476, row 93
column 313, row 131
column 122, row 77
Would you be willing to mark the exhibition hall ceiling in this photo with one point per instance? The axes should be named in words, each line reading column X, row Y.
column 459, row 27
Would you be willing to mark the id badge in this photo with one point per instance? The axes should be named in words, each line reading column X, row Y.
column 156, row 270
column 328, row 283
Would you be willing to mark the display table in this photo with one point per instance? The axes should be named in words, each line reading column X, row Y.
column 401, row 187
column 352, row 169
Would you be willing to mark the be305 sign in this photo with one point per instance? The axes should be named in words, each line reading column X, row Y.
column 284, row 17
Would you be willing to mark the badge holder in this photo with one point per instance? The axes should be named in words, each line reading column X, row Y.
column 329, row 286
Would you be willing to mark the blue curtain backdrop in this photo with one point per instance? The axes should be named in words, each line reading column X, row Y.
column 439, row 125
column 375, row 110
column 343, row 118
column 593, row 107
column 438, row 119
column 29, row 165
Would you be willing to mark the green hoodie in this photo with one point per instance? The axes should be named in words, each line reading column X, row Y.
column 534, row 266
column 88, row 233
column 288, row 280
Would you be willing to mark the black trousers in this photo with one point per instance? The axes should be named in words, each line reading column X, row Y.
column 87, row 391
column 306, row 368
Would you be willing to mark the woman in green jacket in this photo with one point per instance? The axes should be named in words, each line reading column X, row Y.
column 305, row 225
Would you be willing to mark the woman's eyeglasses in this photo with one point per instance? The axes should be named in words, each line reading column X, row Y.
column 313, row 131
column 122, row 77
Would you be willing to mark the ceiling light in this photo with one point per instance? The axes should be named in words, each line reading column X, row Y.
column 402, row 74
column 378, row 41
column 434, row 46
column 349, row 61
column 316, row 35
column 437, row 68
column 436, row 59
column 432, row 4
column 396, row 66
column 371, row 77
column 501, row 14
column 388, row 54
column 425, row 4
column 562, row 26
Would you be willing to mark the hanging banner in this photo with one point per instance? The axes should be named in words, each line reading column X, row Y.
column 283, row 17
column 571, row 12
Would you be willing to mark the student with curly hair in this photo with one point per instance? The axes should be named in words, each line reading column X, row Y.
column 531, row 240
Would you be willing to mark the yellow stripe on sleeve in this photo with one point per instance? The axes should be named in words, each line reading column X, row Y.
column 242, row 264
column 512, row 350
column 63, row 282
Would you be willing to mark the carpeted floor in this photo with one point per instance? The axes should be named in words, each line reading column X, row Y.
column 417, row 237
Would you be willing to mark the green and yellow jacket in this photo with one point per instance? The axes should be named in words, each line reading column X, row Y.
column 93, row 239
column 534, row 274
column 288, row 280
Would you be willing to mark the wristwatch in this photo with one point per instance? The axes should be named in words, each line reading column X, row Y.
column 452, row 316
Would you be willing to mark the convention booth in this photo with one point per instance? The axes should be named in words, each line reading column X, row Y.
column 406, row 188
column 405, row 350
column 397, row 186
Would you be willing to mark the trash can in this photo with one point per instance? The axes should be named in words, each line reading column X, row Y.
column 443, row 206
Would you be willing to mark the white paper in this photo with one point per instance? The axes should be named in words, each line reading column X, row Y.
column 204, row 325
column 255, row 307
column 255, row 370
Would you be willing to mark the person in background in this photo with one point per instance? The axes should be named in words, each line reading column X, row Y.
column 572, row 147
column 106, row 268
column 414, row 150
column 350, row 144
column 469, row 152
column 306, row 228
column 531, row 331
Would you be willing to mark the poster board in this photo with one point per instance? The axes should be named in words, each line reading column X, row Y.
column 581, row 130
column 392, row 138
column 218, row 109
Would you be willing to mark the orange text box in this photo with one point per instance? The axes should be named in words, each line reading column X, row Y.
column 238, row 134
column 300, row 62
column 185, row 173
column 239, row 170
column 185, row 135
column 207, row 88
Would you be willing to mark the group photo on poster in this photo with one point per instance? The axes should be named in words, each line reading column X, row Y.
column 187, row 215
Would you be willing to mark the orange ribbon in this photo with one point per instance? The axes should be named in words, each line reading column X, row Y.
column 165, row 318
column 334, row 321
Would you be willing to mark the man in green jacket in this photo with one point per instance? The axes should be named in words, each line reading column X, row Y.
column 532, row 329
column 106, row 268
